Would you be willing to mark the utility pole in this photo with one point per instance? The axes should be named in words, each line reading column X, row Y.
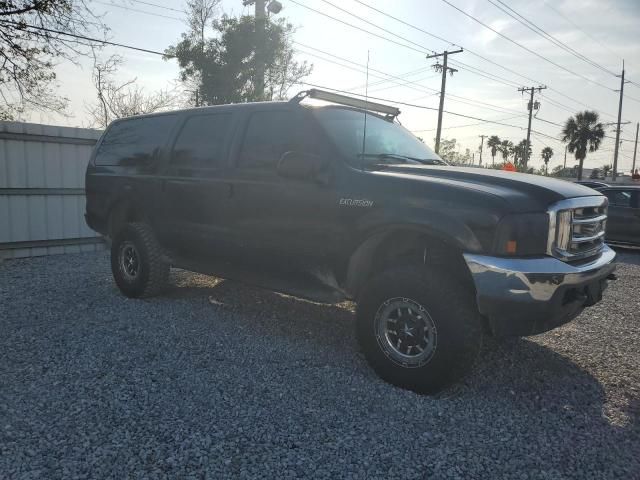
column 614, row 174
column 260, row 21
column 530, row 107
column 566, row 147
column 635, row 149
column 444, row 69
column 481, row 145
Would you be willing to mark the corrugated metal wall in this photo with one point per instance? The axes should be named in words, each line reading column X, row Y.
column 42, row 199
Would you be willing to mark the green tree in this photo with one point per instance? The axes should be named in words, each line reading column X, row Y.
column 493, row 143
column 583, row 133
column 506, row 149
column 449, row 151
column 224, row 65
column 547, row 153
column 29, row 49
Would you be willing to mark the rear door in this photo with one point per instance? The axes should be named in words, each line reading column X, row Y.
column 623, row 224
column 195, row 192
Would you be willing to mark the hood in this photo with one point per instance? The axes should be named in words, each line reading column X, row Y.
column 511, row 186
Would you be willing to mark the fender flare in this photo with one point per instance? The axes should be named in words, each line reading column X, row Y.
column 361, row 263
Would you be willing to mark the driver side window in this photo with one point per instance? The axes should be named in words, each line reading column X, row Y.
column 269, row 134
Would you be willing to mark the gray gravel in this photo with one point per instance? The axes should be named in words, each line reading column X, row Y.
column 216, row 379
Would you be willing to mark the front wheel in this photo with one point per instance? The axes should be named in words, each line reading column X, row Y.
column 418, row 329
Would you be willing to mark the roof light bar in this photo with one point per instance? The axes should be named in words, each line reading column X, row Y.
column 345, row 100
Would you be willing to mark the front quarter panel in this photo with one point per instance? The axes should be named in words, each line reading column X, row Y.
column 450, row 211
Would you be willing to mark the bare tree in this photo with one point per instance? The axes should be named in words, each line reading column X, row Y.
column 200, row 15
column 33, row 35
column 125, row 99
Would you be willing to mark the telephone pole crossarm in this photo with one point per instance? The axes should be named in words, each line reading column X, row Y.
column 444, row 53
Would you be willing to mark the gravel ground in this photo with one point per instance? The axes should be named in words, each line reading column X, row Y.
column 216, row 379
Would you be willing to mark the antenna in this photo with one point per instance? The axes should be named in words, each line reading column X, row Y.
column 366, row 101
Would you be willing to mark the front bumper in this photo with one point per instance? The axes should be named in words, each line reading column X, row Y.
column 525, row 296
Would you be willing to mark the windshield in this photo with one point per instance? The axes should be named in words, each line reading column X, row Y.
column 386, row 142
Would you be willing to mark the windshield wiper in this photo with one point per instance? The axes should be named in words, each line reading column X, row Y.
column 403, row 158
column 390, row 156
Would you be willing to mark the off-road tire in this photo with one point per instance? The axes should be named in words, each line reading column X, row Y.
column 452, row 309
column 151, row 279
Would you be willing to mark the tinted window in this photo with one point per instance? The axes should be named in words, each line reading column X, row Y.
column 134, row 141
column 202, row 140
column 346, row 129
column 268, row 136
column 619, row 198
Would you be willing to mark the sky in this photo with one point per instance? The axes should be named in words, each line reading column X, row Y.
column 604, row 32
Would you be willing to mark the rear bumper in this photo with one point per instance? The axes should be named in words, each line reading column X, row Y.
column 528, row 296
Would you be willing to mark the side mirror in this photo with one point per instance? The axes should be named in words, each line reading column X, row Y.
column 299, row 165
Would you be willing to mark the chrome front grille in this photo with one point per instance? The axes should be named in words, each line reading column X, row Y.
column 577, row 227
column 587, row 230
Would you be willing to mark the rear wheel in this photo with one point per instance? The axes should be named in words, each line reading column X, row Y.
column 138, row 263
column 418, row 329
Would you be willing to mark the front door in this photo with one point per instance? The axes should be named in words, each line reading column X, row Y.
column 279, row 222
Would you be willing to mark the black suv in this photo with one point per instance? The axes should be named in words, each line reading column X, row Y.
column 340, row 202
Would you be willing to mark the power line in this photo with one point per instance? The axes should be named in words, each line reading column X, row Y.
column 158, row 6
column 131, row 9
column 421, row 51
column 405, row 82
column 379, row 82
column 376, row 26
column 472, row 52
column 543, row 33
column 19, row 26
column 580, row 28
column 509, row 39
column 465, row 125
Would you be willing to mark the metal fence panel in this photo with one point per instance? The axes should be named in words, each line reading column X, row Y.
column 42, row 198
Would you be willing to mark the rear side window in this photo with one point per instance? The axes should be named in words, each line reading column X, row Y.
column 201, row 141
column 269, row 134
column 134, row 141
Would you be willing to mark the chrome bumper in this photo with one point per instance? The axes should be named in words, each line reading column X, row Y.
column 525, row 296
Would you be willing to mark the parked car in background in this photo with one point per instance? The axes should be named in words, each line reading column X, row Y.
column 623, row 223
column 592, row 184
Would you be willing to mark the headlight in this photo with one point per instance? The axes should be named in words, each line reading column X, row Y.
column 522, row 234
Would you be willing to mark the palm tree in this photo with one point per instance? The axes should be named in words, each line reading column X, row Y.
column 547, row 153
column 518, row 153
column 582, row 132
column 493, row 142
column 506, row 148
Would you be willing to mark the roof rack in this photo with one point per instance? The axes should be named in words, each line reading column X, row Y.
column 390, row 112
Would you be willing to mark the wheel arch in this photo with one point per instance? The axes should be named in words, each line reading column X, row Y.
column 123, row 210
column 404, row 244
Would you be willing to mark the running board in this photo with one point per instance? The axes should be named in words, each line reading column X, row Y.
column 297, row 284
